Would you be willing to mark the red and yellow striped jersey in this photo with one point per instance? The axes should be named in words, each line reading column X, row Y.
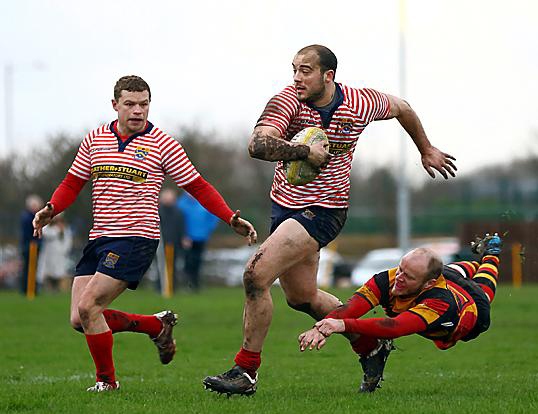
column 127, row 177
column 448, row 310
column 289, row 116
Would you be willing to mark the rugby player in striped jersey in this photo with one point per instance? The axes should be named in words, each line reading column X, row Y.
column 126, row 160
column 306, row 218
column 446, row 304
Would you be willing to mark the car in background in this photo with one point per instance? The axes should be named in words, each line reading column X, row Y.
column 373, row 262
column 226, row 266
column 378, row 260
column 331, row 266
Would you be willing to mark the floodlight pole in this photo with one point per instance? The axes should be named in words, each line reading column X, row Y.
column 8, row 107
column 9, row 102
column 403, row 188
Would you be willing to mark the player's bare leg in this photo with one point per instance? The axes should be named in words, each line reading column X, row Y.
column 98, row 293
column 302, row 293
column 79, row 284
column 159, row 327
column 300, row 286
column 289, row 245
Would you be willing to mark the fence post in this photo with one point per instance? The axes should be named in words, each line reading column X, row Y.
column 32, row 270
column 169, row 270
column 517, row 273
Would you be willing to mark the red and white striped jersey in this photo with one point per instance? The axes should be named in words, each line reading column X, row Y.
column 127, row 178
column 288, row 115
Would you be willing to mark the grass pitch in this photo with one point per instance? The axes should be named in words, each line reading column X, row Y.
column 45, row 366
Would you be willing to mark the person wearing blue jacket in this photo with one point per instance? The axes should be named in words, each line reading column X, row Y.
column 199, row 226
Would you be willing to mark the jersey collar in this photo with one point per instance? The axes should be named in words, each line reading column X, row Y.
column 123, row 144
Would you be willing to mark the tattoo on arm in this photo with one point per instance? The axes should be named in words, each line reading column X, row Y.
column 268, row 148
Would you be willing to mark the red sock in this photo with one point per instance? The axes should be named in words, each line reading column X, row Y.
column 364, row 345
column 119, row 321
column 248, row 360
column 101, row 349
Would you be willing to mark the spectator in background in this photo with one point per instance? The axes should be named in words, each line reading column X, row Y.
column 172, row 224
column 199, row 225
column 9, row 267
column 54, row 268
column 33, row 205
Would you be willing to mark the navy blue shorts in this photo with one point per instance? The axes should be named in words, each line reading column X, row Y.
column 323, row 224
column 123, row 258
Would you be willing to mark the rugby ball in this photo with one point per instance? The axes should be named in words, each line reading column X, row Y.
column 301, row 172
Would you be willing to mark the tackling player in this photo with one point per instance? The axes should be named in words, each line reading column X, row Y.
column 446, row 304
column 127, row 161
column 307, row 218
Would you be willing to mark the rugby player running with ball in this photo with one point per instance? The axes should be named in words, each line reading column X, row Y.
column 306, row 218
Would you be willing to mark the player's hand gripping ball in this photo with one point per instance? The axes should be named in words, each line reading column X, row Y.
column 301, row 172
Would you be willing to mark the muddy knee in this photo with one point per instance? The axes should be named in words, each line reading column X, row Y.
column 306, row 308
column 251, row 282
column 84, row 311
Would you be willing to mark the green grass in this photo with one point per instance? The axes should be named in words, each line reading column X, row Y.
column 45, row 366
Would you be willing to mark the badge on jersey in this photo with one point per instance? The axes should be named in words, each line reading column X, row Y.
column 111, row 259
column 141, row 153
column 345, row 126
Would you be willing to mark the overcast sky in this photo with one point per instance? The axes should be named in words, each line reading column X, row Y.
column 472, row 67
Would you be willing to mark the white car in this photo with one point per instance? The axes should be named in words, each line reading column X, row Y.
column 226, row 266
column 374, row 262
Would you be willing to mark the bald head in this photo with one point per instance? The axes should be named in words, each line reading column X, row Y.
column 418, row 270
column 426, row 261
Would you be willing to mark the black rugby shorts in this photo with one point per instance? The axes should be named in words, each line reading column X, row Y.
column 323, row 224
column 123, row 258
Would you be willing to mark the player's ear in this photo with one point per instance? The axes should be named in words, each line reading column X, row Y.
column 114, row 105
column 430, row 283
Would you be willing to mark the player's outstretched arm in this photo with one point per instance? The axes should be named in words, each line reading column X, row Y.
column 42, row 218
column 432, row 157
column 243, row 228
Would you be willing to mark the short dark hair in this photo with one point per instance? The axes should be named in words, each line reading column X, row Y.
column 327, row 59
column 131, row 83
